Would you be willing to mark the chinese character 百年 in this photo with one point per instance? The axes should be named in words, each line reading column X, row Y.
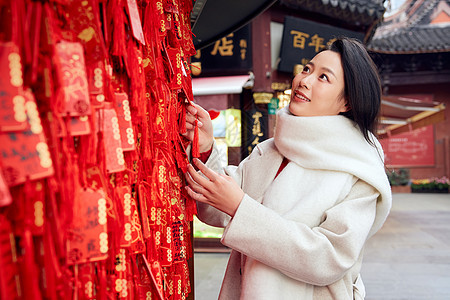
column 299, row 39
column 317, row 42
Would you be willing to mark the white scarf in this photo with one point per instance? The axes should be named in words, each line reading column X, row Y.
column 332, row 143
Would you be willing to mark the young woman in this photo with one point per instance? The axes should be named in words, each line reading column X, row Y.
column 298, row 211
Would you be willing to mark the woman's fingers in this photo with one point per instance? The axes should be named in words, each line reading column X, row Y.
column 195, row 190
column 198, row 182
column 197, row 115
column 192, row 109
column 198, row 178
column 192, row 182
column 198, row 112
column 201, row 112
column 190, row 118
column 210, row 174
column 190, row 126
column 196, row 196
column 220, row 191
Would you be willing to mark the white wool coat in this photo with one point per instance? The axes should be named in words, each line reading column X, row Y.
column 302, row 234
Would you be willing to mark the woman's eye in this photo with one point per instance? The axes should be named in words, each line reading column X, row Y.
column 324, row 77
column 305, row 69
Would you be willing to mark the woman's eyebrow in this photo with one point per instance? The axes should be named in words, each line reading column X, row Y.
column 322, row 68
column 329, row 71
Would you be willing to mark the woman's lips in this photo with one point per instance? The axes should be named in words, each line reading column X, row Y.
column 300, row 97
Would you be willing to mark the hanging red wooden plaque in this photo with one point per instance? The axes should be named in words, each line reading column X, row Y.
column 125, row 125
column 132, row 234
column 79, row 126
column 12, row 101
column 73, row 78
column 25, row 154
column 115, row 161
column 88, row 238
column 96, row 74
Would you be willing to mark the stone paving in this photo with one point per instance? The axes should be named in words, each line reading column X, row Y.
column 409, row 258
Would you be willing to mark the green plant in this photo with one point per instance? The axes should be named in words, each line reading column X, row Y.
column 400, row 177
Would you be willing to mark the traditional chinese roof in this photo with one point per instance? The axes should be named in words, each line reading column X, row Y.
column 421, row 26
column 358, row 12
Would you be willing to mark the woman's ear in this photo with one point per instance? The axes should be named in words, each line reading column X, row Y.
column 347, row 106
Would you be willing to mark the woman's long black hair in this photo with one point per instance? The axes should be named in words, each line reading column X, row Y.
column 362, row 85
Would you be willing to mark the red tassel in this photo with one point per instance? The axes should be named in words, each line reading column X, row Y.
column 37, row 11
column 8, row 271
column 119, row 34
column 29, row 272
column 191, row 209
column 102, row 281
column 183, row 118
column 53, row 272
column 195, row 146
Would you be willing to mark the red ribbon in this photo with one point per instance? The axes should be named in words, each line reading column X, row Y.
column 195, row 146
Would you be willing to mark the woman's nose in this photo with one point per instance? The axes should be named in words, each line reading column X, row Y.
column 306, row 82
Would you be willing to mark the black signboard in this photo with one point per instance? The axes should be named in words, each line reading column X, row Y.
column 303, row 39
column 255, row 130
column 231, row 54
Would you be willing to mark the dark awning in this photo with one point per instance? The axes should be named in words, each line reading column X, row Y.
column 402, row 114
column 214, row 19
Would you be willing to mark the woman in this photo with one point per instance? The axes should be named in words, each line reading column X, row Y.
column 298, row 211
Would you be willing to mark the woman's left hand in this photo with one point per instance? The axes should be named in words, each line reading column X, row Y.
column 218, row 190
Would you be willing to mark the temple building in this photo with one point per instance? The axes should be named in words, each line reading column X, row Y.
column 412, row 51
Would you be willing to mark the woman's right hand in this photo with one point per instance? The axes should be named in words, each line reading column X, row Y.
column 205, row 128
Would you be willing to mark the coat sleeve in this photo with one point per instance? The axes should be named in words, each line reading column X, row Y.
column 319, row 255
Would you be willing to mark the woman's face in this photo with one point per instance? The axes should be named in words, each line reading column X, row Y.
column 319, row 89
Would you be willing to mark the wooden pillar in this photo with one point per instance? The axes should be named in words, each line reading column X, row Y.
column 261, row 53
